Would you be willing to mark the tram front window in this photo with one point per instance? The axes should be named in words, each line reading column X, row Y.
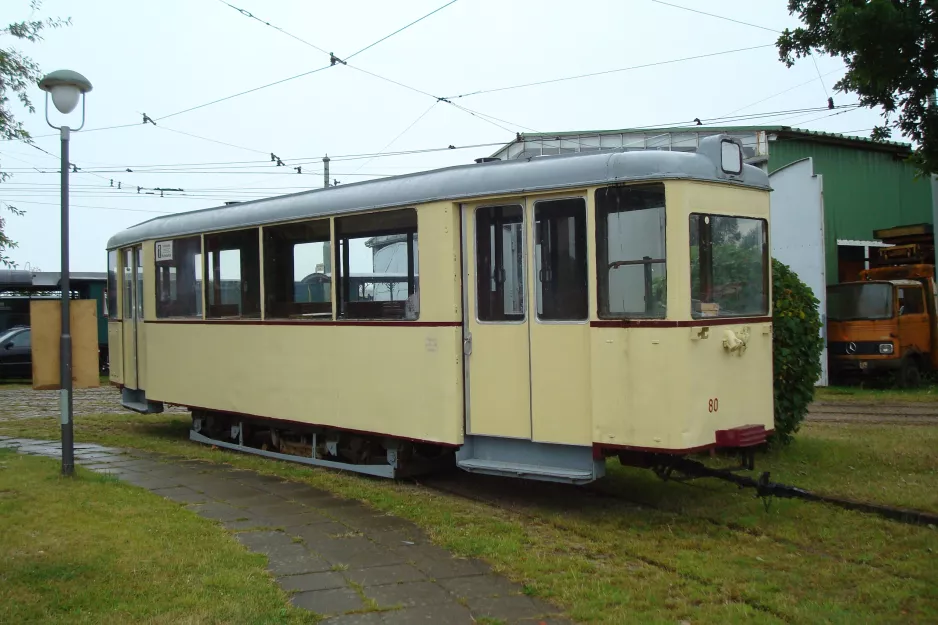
column 728, row 266
column 631, row 258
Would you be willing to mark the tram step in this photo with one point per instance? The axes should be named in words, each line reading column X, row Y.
column 529, row 459
column 509, row 469
column 136, row 400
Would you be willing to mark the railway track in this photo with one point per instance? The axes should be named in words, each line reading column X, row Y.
column 529, row 499
column 874, row 413
column 503, row 493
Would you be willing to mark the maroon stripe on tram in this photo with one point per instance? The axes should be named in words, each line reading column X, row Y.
column 664, row 323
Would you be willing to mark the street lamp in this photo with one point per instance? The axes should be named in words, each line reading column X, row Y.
column 66, row 87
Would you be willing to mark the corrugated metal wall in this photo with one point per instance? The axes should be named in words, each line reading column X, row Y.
column 863, row 191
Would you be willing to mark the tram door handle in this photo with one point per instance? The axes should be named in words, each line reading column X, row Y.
column 467, row 344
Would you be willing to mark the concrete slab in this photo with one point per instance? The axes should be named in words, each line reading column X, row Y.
column 380, row 575
column 354, row 552
column 410, row 594
column 510, row 609
column 182, row 494
column 448, row 614
column 294, row 560
column 312, row 581
column 334, row 601
column 477, row 586
column 264, row 541
column 217, row 510
column 451, row 567
column 370, row 522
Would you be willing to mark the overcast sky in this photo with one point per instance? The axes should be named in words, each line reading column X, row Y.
column 163, row 57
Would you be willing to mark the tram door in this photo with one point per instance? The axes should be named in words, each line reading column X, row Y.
column 495, row 311
column 559, row 320
column 132, row 263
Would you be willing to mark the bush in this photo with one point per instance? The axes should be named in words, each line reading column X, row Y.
column 796, row 349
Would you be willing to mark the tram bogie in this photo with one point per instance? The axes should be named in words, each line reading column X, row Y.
column 526, row 318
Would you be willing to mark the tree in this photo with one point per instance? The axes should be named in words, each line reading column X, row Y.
column 17, row 73
column 890, row 48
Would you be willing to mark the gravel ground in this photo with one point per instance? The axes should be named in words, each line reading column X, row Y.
column 22, row 402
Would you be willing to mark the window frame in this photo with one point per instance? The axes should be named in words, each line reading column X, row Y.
column 921, row 299
column 525, row 304
column 111, row 301
column 766, row 267
column 601, row 238
column 586, row 252
column 341, row 264
column 127, row 282
column 206, row 276
column 330, row 238
column 199, row 293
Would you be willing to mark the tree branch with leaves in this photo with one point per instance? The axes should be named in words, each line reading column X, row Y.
column 17, row 73
column 890, row 48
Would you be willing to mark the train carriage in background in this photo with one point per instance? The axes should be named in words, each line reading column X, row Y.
column 561, row 310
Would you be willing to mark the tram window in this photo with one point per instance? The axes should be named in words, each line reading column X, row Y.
column 139, row 269
column 111, row 303
column 128, row 269
column 560, row 260
column 377, row 265
column 630, row 251
column 298, row 271
column 179, row 278
column 500, row 283
column 233, row 281
column 728, row 266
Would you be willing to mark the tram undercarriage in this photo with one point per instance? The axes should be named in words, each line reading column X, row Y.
column 318, row 446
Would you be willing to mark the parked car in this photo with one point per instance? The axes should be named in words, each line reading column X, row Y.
column 15, row 354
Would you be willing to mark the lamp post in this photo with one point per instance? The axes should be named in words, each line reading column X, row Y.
column 66, row 87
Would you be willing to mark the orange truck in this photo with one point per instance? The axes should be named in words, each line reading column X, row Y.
column 885, row 323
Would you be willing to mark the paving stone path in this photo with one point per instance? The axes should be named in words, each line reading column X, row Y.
column 336, row 557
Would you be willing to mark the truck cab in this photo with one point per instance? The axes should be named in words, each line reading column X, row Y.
column 885, row 322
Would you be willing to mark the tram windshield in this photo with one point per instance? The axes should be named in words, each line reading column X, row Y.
column 871, row 300
column 729, row 266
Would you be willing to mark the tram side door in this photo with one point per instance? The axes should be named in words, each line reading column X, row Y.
column 558, row 278
column 132, row 264
column 495, row 319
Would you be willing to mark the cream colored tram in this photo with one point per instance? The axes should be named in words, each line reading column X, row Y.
column 524, row 318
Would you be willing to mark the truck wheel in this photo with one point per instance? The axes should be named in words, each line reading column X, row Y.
column 910, row 376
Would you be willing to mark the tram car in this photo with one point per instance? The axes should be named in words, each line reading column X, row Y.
column 527, row 318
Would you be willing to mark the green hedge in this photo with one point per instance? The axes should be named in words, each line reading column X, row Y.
column 797, row 347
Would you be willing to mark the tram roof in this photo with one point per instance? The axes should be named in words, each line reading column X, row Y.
column 496, row 178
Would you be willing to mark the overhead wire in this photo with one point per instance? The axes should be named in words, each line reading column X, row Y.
column 113, row 208
column 720, row 17
column 254, row 17
column 333, row 62
column 401, row 133
column 608, row 71
column 403, row 28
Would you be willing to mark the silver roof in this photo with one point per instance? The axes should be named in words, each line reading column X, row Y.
column 498, row 178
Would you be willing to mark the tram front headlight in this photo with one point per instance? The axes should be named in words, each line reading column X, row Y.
column 886, row 348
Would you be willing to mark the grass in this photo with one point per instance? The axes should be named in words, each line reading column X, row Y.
column 635, row 549
column 90, row 549
column 925, row 394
